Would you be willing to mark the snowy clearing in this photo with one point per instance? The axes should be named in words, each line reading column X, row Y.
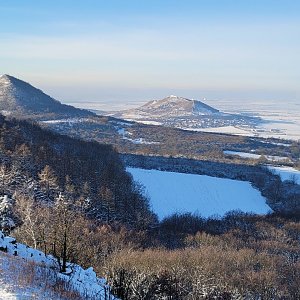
column 122, row 131
column 59, row 121
column 171, row 192
column 150, row 122
column 242, row 154
column 286, row 173
column 224, row 129
column 256, row 156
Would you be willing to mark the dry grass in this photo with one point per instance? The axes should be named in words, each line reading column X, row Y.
column 37, row 281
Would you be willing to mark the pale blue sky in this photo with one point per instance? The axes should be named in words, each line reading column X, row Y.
column 93, row 50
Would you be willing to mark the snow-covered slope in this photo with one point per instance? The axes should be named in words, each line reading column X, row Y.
column 176, row 106
column 172, row 192
column 20, row 279
column 18, row 97
column 83, row 282
column 182, row 113
column 171, row 106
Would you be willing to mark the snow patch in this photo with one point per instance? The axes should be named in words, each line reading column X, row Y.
column 122, row 131
column 6, row 112
column 256, row 156
column 150, row 122
column 224, row 129
column 286, row 173
column 71, row 120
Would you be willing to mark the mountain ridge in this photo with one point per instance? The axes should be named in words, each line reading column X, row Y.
column 21, row 99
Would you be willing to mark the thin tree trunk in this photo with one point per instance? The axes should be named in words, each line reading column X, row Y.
column 64, row 264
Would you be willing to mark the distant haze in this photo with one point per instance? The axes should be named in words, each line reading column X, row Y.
column 126, row 51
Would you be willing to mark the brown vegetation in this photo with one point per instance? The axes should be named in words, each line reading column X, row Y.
column 262, row 263
column 238, row 257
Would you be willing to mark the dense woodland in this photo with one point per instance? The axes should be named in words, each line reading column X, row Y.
column 42, row 165
column 73, row 199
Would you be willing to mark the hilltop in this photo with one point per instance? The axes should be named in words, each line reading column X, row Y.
column 20, row 99
column 180, row 112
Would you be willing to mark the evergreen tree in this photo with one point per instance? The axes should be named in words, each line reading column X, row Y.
column 6, row 215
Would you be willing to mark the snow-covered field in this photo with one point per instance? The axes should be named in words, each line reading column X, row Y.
column 171, row 192
column 225, row 129
column 255, row 156
column 282, row 117
column 286, row 173
column 242, row 154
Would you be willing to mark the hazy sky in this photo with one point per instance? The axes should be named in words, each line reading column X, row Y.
column 93, row 50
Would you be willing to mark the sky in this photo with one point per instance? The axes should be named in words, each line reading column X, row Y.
column 89, row 51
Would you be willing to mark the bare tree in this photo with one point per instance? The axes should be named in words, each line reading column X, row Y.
column 48, row 180
column 26, row 211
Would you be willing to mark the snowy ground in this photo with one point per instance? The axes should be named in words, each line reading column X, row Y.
column 4, row 291
column 124, row 134
column 18, row 259
column 225, row 129
column 242, row 154
column 286, row 173
column 18, row 280
column 171, row 192
column 70, row 121
column 256, row 156
column 283, row 117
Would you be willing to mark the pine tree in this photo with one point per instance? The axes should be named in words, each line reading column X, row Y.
column 7, row 177
column 6, row 215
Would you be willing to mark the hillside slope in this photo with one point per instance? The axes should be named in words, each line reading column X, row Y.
column 43, row 276
column 19, row 98
column 39, row 165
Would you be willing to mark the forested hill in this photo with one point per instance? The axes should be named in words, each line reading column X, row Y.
column 41, row 165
